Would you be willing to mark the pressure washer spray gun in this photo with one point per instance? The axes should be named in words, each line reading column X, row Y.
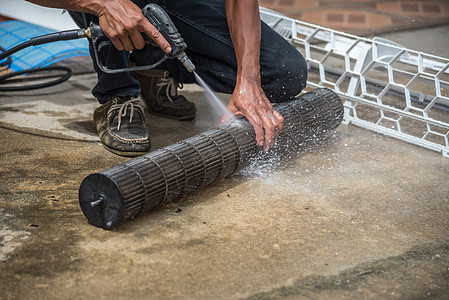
column 153, row 12
column 159, row 19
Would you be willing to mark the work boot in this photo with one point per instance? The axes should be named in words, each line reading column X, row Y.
column 121, row 126
column 160, row 94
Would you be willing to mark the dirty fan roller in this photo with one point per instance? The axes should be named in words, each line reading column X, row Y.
column 124, row 191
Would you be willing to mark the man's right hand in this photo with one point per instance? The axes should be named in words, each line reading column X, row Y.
column 123, row 22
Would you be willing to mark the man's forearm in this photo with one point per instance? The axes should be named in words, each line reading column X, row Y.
column 244, row 26
column 87, row 6
column 248, row 97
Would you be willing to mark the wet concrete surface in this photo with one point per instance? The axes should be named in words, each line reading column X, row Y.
column 358, row 216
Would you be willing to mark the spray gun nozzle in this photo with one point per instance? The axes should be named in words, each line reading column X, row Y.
column 187, row 63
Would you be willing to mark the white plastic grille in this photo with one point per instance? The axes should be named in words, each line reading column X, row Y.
column 385, row 87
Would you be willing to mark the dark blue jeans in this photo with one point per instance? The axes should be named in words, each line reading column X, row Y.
column 203, row 25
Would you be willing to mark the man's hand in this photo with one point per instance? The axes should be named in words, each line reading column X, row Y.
column 250, row 101
column 123, row 22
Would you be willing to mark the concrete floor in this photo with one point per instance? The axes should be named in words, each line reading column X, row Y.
column 360, row 216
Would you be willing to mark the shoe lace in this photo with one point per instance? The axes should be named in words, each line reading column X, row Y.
column 122, row 108
column 171, row 87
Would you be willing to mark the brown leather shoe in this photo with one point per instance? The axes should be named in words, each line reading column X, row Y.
column 160, row 94
column 121, row 126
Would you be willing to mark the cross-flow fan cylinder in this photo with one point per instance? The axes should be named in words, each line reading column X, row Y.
column 126, row 190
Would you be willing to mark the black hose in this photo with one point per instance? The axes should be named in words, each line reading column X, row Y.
column 62, row 78
column 44, row 39
column 7, row 53
column 35, row 41
column 8, row 60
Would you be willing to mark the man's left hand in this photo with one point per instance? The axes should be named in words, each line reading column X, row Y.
column 250, row 101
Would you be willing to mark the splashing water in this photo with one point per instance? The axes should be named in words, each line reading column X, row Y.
column 219, row 110
column 263, row 164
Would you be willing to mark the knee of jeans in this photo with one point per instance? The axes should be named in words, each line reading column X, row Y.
column 290, row 78
column 294, row 72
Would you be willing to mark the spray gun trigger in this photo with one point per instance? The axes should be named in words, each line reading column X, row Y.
column 104, row 44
